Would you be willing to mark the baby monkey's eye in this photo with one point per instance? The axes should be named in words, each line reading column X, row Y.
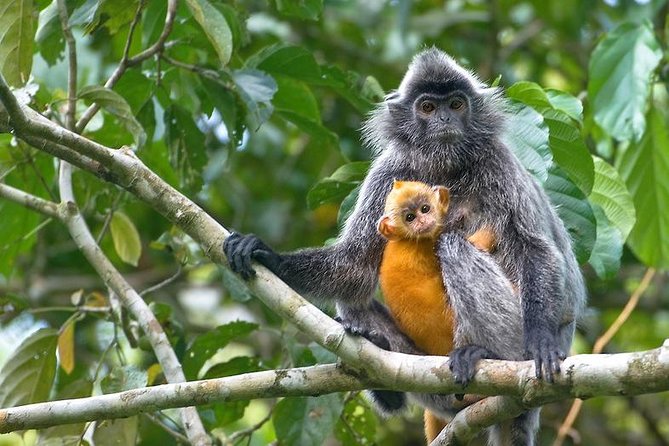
column 425, row 209
column 410, row 217
column 427, row 107
column 456, row 104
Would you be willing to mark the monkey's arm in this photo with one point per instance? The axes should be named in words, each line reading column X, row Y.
column 345, row 271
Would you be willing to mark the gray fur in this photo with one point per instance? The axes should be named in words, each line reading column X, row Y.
column 488, row 186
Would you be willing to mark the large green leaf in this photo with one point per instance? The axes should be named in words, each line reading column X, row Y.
column 287, row 60
column 527, row 136
column 574, row 210
column 49, row 36
column 116, row 432
column 306, row 421
column 357, row 424
column 215, row 26
column 562, row 114
column 115, row 104
column 205, row 345
column 608, row 249
column 645, row 168
column 609, row 192
column 620, row 72
column 338, row 185
column 186, row 144
column 17, row 34
column 28, row 374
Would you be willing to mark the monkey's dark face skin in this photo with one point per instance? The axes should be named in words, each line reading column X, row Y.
column 442, row 118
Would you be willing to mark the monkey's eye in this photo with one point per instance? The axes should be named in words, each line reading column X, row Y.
column 456, row 104
column 410, row 217
column 427, row 107
column 425, row 209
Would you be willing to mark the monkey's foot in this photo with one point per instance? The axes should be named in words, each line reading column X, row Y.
column 462, row 362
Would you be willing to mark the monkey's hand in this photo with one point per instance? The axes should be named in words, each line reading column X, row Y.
column 241, row 250
column 542, row 346
column 462, row 362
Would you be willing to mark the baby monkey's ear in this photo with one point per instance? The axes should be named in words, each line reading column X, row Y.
column 387, row 229
column 444, row 196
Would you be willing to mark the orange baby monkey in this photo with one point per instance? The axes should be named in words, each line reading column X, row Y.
column 410, row 276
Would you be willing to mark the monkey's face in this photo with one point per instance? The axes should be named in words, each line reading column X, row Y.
column 442, row 118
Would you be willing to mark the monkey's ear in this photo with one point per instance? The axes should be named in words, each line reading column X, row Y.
column 444, row 195
column 397, row 184
column 394, row 103
column 387, row 229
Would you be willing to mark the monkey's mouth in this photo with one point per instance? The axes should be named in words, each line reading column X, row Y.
column 447, row 135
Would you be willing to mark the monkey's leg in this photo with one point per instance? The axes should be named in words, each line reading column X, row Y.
column 488, row 317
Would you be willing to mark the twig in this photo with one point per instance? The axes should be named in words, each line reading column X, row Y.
column 72, row 66
column 109, row 216
column 158, row 422
column 126, row 62
column 131, row 300
column 599, row 347
column 236, row 436
column 48, row 208
column 164, row 283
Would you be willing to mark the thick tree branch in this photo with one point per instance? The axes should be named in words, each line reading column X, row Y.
column 584, row 376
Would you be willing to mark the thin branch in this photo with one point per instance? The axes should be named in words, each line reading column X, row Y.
column 250, row 430
column 575, row 409
column 158, row 422
column 48, row 208
column 109, row 216
column 131, row 300
column 126, row 63
column 164, row 283
column 72, row 66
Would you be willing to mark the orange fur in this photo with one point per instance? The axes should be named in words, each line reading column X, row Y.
column 410, row 275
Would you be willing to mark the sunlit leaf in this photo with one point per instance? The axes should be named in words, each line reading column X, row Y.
column 608, row 249
column 124, row 378
column 29, row 372
column 215, row 26
column 610, row 192
column 357, row 424
column 620, row 73
column 17, row 34
column 256, row 90
column 304, row 9
column 66, row 347
column 127, row 242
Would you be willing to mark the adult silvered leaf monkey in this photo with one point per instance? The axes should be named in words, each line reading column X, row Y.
column 443, row 126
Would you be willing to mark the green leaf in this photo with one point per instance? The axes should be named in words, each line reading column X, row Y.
column 644, row 166
column 338, row 185
column 531, row 94
column 187, row 148
column 321, row 135
column 17, row 34
column 620, row 72
column 49, row 36
column 349, row 85
column 228, row 412
column 303, row 9
column 611, row 194
column 357, row 425
column 306, row 421
column 28, row 374
column 116, row 432
column 124, row 378
column 566, row 103
column 235, row 286
column 215, row 26
column 608, row 249
column 115, row 104
column 256, row 90
column 569, row 150
column 204, row 346
column 292, row 61
column 294, row 96
column 574, row 210
column 527, row 136
column 347, row 206
column 126, row 239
